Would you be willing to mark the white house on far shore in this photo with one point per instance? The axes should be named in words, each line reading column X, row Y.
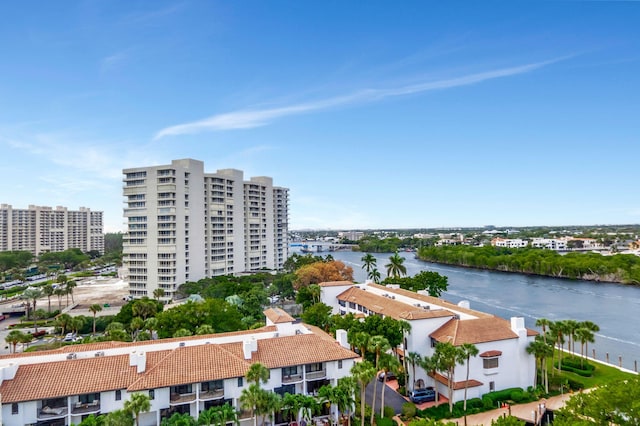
column 502, row 363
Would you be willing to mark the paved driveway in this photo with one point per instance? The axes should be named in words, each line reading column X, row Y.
column 391, row 398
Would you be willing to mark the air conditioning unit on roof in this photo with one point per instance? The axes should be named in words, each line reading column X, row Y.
column 99, row 353
column 72, row 355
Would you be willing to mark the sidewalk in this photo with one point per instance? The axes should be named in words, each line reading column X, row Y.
column 528, row 412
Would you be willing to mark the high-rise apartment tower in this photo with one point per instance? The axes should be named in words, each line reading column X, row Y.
column 44, row 229
column 184, row 225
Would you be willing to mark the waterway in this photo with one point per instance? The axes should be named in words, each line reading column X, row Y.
column 614, row 307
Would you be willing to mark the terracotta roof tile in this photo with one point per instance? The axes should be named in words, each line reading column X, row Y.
column 474, row 331
column 389, row 307
column 278, row 316
column 456, row 385
column 490, row 354
column 335, row 283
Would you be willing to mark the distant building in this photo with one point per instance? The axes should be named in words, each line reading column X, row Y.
column 45, row 229
column 549, row 243
column 503, row 361
column 184, row 225
column 351, row 235
column 509, row 242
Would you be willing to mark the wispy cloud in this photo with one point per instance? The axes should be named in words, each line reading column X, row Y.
column 250, row 118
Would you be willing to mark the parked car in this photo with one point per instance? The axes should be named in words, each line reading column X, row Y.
column 70, row 337
column 390, row 376
column 418, row 396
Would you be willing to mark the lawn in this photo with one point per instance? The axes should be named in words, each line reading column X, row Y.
column 602, row 374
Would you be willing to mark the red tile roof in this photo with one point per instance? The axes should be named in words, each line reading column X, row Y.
column 278, row 316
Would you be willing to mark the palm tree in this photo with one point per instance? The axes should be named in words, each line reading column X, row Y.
column 584, row 335
column 32, row 294
column 271, row 405
column 467, row 350
column 544, row 323
column 378, row 345
column 14, row 337
column 360, row 341
column 60, row 291
column 395, row 267
column 63, row 321
column 158, row 293
column 94, row 309
column 144, row 308
column 374, row 276
column 571, row 327
column 345, row 390
column 430, row 365
column 48, row 291
column 594, row 329
column 405, row 329
column 387, row 363
column 136, row 404
column 557, row 329
column 413, row 358
column 447, row 358
column 151, row 324
column 205, row 329
column 69, row 286
column 368, row 262
column 252, row 398
column 315, row 291
column 257, row 373
column 363, row 372
column 541, row 350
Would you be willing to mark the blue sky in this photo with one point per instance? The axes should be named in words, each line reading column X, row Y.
column 374, row 114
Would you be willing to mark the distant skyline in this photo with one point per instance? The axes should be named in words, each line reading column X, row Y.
column 375, row 115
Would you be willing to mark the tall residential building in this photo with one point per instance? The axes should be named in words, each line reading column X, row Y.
column 184, row 225
column 44, row 229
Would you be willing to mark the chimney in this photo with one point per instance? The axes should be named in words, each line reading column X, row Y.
column 8, row 372
column 517, row 326
column 464, row 304
column 341, row 337
column 132, row 359
column 138, row 360
column 246, row 349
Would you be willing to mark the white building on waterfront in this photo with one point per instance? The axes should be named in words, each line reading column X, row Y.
column 550, row 243
column 509, row 242
column 503, row 361
column 184, row 225
column 184, row 375
column 41, row 229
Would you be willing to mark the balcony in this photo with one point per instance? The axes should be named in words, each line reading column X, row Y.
column 181, row 398
column 81, row 408
column 211, row 394
column 50, row 413
column 294, row 378
column 314, row 375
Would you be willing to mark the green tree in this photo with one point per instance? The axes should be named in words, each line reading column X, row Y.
column 447, row 357
column 178, row 419
column 363, row 372
column 137, row 403
column 48, row 291
column 388, row 363
column 14, row 337
column 205, row 329
column 378, row 345
column 63, row 321
column 32, row 294
column 253, row 398
column 374, row 275
column 359, row 340
column 413, row 358
column 317, row 315
column 69, row 286
column 541, row 350
column 395, row 267
column 94, row 309
column 368, row 263
column 59, row 291
column 158, row 293
column 257, row 373
column 118, row 418
column 467, row 350
column 611, row 404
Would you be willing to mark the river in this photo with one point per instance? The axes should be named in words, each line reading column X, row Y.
column 615, row 308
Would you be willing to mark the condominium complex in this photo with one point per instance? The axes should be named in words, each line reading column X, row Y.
column 184, row 225
column 44, row 229
column 181, row 375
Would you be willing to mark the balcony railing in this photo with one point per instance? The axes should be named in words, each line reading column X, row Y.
column 47, row 413
column 85, row 407
column 211, row 394
column 312, row 375
column 293, row 378
column 181, row 398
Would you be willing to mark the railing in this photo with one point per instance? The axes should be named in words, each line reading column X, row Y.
column 177, row 398
column 86, row 408
column 212, row 394
column 52, row 412
column 311, row 375
column 292, row 378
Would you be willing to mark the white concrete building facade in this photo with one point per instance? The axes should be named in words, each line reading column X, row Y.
column 184, row 225
column 503, row 361
column 40, row 229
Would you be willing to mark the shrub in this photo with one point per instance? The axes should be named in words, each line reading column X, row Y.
column 487, row 403
column 389, row 412
column 384, row 421
column 408, row 410
column 402, row 391
column 475, row 403
column 516, row 395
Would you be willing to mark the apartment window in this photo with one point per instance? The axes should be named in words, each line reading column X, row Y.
column 118, row 395
column 339, row 363
column 489, row 363
column 15, row 408
column 152, row 394
column 289, row 371
column 316, row 366
column 240, row 382
column 492, row 386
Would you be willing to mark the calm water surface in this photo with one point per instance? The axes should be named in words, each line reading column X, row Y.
column 614, row 307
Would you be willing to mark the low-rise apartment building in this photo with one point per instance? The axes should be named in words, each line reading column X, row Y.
column 509, row 242
column 185, row 375
column 503, row 361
